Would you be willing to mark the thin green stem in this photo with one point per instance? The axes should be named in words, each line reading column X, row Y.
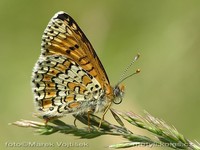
column 165, row 135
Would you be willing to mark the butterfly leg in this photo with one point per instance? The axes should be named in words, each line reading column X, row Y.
column 104, row 113
column 49, row 119
column 88, row 115
column 75, row 122
column 46, row 119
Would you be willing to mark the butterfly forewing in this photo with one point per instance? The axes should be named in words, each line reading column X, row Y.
column 68, row 77
column 63, row 36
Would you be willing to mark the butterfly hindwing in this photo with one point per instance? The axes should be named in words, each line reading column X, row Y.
column 60, row 84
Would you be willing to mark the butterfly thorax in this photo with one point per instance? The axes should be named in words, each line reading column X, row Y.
column 107, row 96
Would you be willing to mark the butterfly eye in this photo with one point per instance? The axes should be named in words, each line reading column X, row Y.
column 118, row 92
column 117, row 100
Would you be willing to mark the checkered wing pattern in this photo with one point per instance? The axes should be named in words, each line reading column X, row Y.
column 68, row 77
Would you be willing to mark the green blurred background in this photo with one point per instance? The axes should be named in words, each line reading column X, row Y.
column 165, row 32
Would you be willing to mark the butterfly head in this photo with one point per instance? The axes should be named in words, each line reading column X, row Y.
column 118, row 92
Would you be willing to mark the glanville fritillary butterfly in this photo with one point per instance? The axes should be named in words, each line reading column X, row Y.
column 68, row 77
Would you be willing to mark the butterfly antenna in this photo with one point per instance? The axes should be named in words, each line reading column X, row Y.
column 127, row 68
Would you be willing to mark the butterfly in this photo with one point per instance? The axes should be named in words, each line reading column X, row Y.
column 68, row 77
